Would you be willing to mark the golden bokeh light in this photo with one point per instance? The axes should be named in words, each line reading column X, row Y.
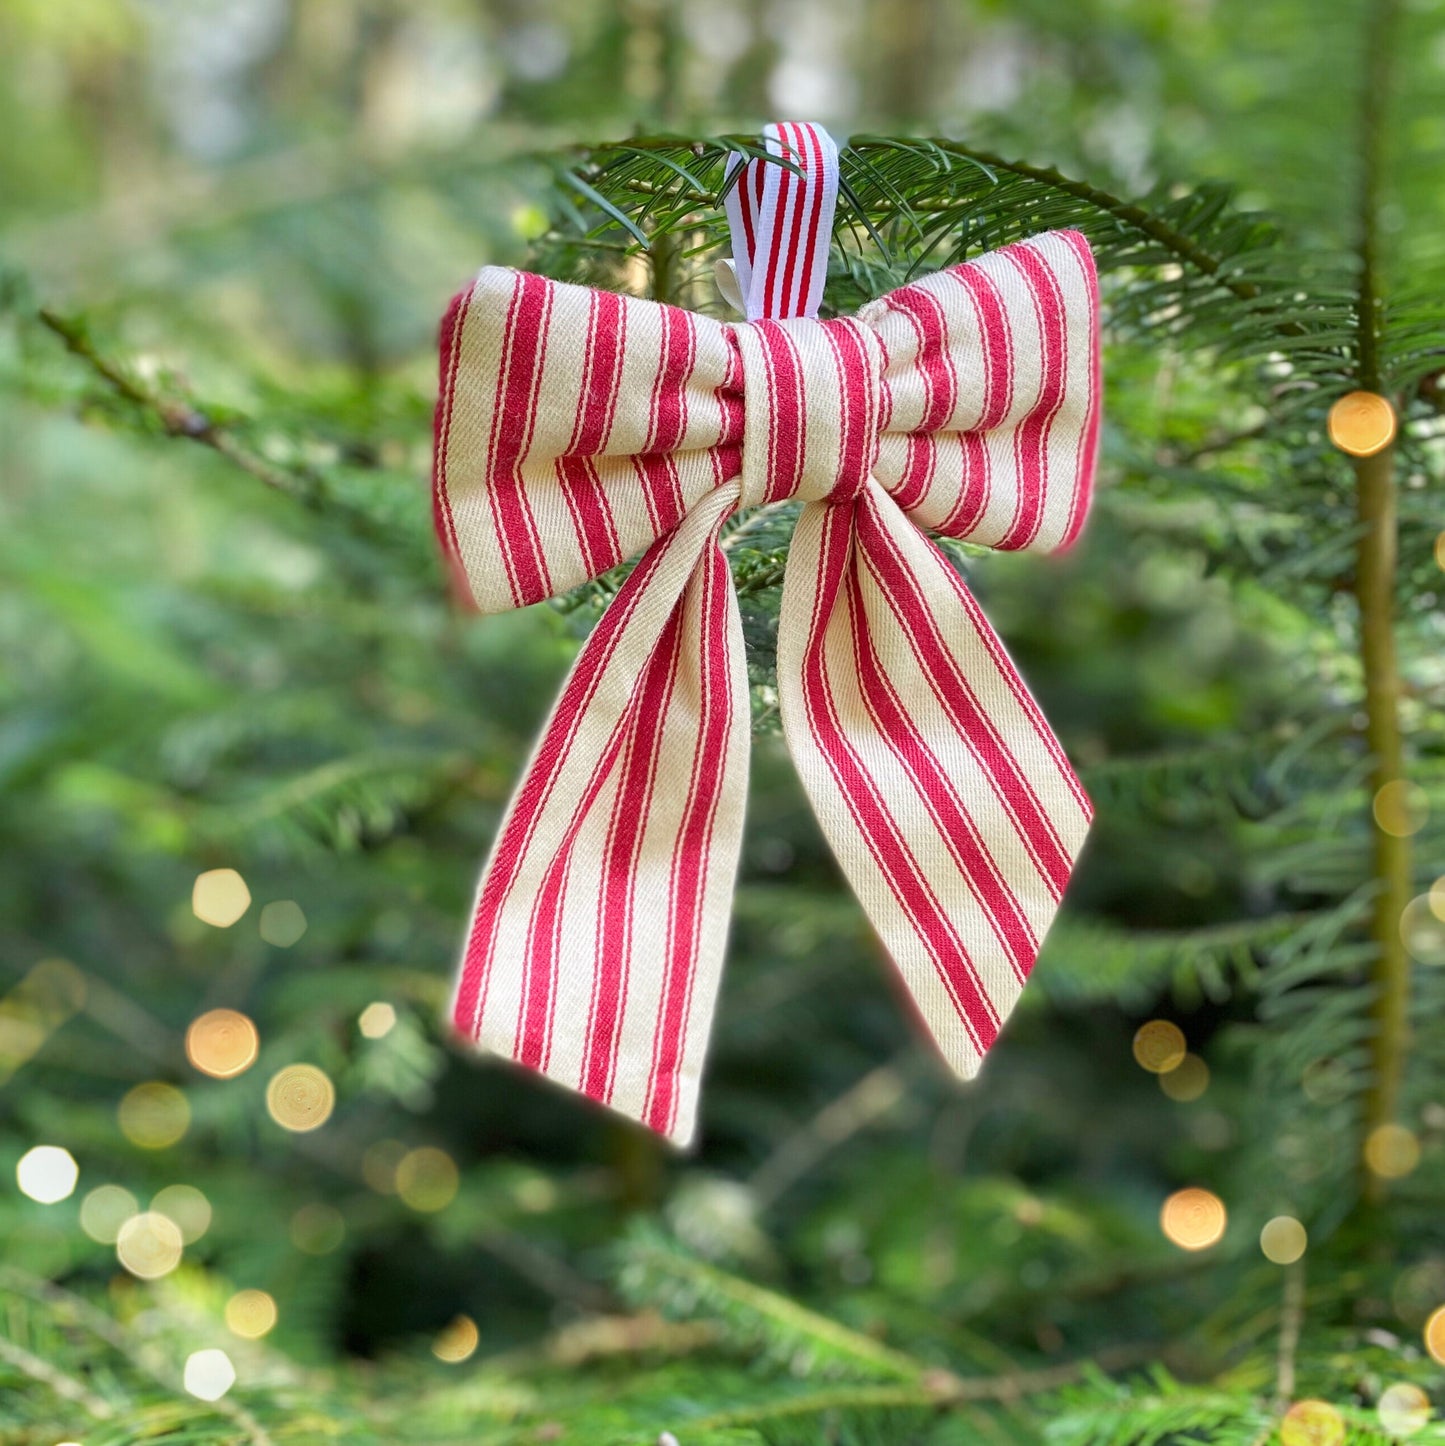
column 1159, row 1046
column 282, row 923
column 222, row 1043
column 379, row 1165
column 376, row 1020
column 190, row 1210
column 318, row 1228
column 1193, row 1219
column 1362, row 423
column 1403, row 1409
column 47, row 1174
column 1434, row 1335
column 149, row 1245
column 154, row 1115
column 1283, row 1240
column 1437, row 897
column 456, row 1341
column 1312, row 1423
column 105, row 1210
column 426, row 1179
column 250, row 1314
column 37, row 1006
column 208, row 1374
column 1187, row 1081
column 1423, row 930
column 300, row 1097
column 219, row 897
column 1401, row 808
column 1392, row 1151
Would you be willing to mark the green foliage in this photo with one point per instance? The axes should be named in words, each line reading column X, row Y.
column 226, row 642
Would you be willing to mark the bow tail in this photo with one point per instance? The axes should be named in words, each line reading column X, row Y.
column 601, row 918
column 946, row 798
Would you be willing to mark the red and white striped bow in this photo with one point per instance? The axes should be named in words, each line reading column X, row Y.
column 577, row 428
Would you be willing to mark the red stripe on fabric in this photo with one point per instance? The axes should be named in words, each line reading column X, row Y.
column 785, row 187
column 692, row 856
column 596, row 407
column 917, row 475
column 809, row 201
column 959, row 834
column 1021, row 694
column 449, row 349
column 535, row 790
column 934, row 361
column 746, row 208
column 533, row 1043
column 857, row 432
column 617, row 899
column 810, row 245
column 955, row 692
column 996, row 344
column 787, row 416
column 1031, row 440
column 1088, row 455
column 656, row 466
column 514, row 420
column 859, row 791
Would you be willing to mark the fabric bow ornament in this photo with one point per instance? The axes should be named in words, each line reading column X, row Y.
column 577, row 428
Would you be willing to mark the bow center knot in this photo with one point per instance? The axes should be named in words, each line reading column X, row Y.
column 811, row 396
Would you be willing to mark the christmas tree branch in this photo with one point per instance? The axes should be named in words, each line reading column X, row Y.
column 1375, row 585
column 176, row 417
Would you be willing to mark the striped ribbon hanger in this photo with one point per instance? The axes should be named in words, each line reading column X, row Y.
column 577, row 428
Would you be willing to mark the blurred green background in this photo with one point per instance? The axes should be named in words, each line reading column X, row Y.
column 228, row 229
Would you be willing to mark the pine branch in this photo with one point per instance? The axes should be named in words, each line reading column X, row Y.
column 1375, row 585
column 178, row 418
column 655, row 1270
column 67, row 1387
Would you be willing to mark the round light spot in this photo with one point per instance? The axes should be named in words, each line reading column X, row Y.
column 105, row 1210
column 1361, row 424
column 1392, row 1151
column 250, row 1314
column 1401, row 808
column 379, row 1165
column 154, row 1115
column 1312, row 1423
column 318, row 1228
column 1423, row 930
column 47, row 1174
column 220, row 897
column 1283, row 1240
column 376, row 1020
column 1403, row 1409
column 1187, row 1080
column 208, row 1374
column 300, row 1097
column 426, row 1179
column 456, row 1341
column 1193, row 1219
column 1159, row 1046
column 149, row 1245
column 1440, row 549
column 1434, row 1335
column 282, row 923
column 222, row 1043
column 187, row 1207
column 1437, row 897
